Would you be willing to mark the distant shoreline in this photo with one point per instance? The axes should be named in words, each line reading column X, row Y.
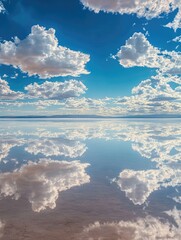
column 91, row 116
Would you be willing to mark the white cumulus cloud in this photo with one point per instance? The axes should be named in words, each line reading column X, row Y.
column 56, row 90
column 139, row 52
column 40, row 54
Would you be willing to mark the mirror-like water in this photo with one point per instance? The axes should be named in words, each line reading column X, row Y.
column 90, row 179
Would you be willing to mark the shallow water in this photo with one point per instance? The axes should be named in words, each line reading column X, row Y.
column 90, row 179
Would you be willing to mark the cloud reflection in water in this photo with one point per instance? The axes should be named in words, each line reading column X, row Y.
column 148, row 228
column 42, row 182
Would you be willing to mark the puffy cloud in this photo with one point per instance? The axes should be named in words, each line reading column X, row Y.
column 40, row 96
column 56, row 147
column 156, row 90
column 171, row 63
column 39, row 54
column 56, row 90
column 141, row 8
column 139, row 52
column 6, row 93
column 42, row 182
column 148, row 228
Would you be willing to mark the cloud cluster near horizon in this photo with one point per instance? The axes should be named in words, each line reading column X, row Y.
column 46, row 90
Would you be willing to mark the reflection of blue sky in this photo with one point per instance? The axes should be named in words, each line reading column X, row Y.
column 159, row 141
column 160, row 144
column 6, row 144
column 147, row 153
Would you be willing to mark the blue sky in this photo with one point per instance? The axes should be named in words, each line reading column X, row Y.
column 90, row 57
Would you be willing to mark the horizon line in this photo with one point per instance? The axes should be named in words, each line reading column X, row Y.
column 95, row 116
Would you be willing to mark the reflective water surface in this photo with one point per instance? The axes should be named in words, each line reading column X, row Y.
column 90, row 179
